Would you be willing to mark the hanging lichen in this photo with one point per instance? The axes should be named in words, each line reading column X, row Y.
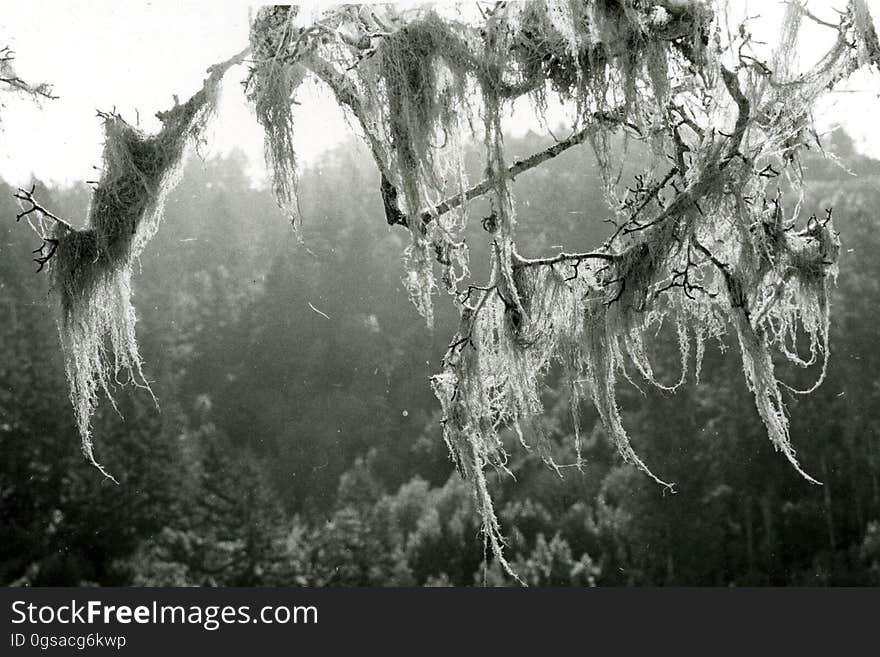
column 701, row 241
column 91, row 268
column 274, row 78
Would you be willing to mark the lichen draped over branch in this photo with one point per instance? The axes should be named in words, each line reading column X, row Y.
column 702, row 240
column 91, row 267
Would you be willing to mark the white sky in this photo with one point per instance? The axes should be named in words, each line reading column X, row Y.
column 132, row 56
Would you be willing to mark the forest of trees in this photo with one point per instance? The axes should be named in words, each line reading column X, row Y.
column 298, row 440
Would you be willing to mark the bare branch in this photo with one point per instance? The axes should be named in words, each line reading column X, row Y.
column 10, row 78
column 27, row 196
column 519, row 261
column 520, row 166
column 45, row 256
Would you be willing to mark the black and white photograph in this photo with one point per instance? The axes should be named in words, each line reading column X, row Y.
column 524, row 294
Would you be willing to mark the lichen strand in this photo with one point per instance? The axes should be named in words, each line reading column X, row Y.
column 416, row 84
column 493, row 371
column 422, row 70
column 709, row 252
column 91, row 270
column 702, row 242
column 602, row 53
column 273, row 80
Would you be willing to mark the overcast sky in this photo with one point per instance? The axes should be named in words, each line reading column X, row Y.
column 133, row 56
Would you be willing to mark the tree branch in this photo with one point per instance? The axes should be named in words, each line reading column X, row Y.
column 348, row 96
column 519, row 261
column 28, row 197
column 743, row 113
column 9, row 77
column 520, row 166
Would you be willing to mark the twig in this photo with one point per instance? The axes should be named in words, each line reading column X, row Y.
column 734, row 287
column 802, row 8
column 651, row 195
column 28, row 197
column 7, row 56
column 45, row 257
column 519, row 261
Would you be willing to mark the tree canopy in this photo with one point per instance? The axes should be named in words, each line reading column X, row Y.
column 702, row 239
